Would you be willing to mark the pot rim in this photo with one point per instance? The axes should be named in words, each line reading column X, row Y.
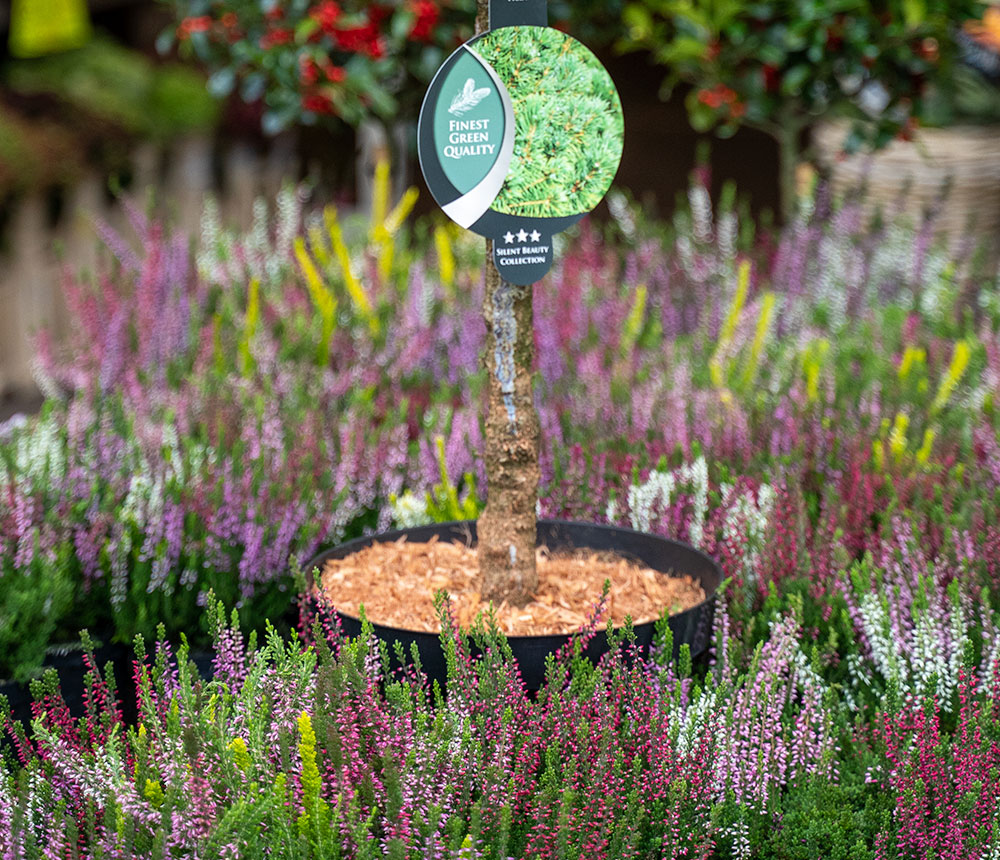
column 395, row 534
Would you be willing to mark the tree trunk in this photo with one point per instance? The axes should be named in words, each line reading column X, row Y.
column 507, row 526
column 482, row 16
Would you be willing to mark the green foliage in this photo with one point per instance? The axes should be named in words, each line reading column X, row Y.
column 34, row 600
column 316, row 61
column 119, row 86
column 833, row 820
column 569, row 136
column 441, row 503
column 780, row 65
column 967, row 98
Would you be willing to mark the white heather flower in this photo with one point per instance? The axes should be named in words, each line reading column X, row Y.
column 747, row 517
column 44, row 380
column 727, row 229
column 207, row 257
column 685, row 251
column 40, row 455
column 701, row 213
column 619, row 209
column 172, row 448
column 659, row 487
column 410, row 510
column 12, row 424
column 740, row 834
column 257, row 243
column 995, row 846
column 696, row 475
column 929, row 664
column 657, row 491
column 959, row 635
column 691, row 723
column 289, row 215
column 875, row 625
column 923, row 659
column 991, row 650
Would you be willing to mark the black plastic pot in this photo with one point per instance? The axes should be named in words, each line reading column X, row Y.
column 69, row 664
column 692, row 627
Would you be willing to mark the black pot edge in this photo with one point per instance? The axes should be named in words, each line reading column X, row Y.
column 469, row 528
column 59, row 654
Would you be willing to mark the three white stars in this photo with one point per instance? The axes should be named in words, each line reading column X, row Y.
column 521, row 236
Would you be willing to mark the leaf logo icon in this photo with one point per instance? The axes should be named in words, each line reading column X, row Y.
column 468, row 98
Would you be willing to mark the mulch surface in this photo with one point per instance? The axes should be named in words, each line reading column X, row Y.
column 396, row 583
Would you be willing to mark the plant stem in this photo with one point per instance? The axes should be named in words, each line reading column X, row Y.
column 787, row 135
column 482, row 16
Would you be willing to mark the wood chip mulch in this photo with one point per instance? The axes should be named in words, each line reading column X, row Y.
column 396, row 583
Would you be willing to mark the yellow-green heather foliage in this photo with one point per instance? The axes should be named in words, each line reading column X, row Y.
column 241, row 756
column 312, row 817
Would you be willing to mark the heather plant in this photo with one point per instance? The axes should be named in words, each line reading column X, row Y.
column 225, row 407
column 311, row 747
column 316, row 751
column 913, row 625
column 440, row 504
column 814, row 407
column 941, row 780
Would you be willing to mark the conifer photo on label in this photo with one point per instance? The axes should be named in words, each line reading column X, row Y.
column 569, row 126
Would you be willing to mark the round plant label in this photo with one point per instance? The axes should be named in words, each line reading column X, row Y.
column 520, row 135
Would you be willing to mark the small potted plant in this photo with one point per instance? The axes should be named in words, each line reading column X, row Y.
column 781, row 66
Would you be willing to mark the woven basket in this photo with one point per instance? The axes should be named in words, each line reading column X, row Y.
column 955, row 171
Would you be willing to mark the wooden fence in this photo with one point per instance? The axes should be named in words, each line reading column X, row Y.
column 37, row 251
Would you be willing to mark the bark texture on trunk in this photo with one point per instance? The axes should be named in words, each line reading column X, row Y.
column 507, row 526
column 482, row 16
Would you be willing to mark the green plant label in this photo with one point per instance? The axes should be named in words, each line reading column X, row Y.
column 473, row 136
column 469, row 127
column 520, row 135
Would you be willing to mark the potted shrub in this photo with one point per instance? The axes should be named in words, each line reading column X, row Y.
column 506, row 125
column 780, row 66
column 316, row 60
